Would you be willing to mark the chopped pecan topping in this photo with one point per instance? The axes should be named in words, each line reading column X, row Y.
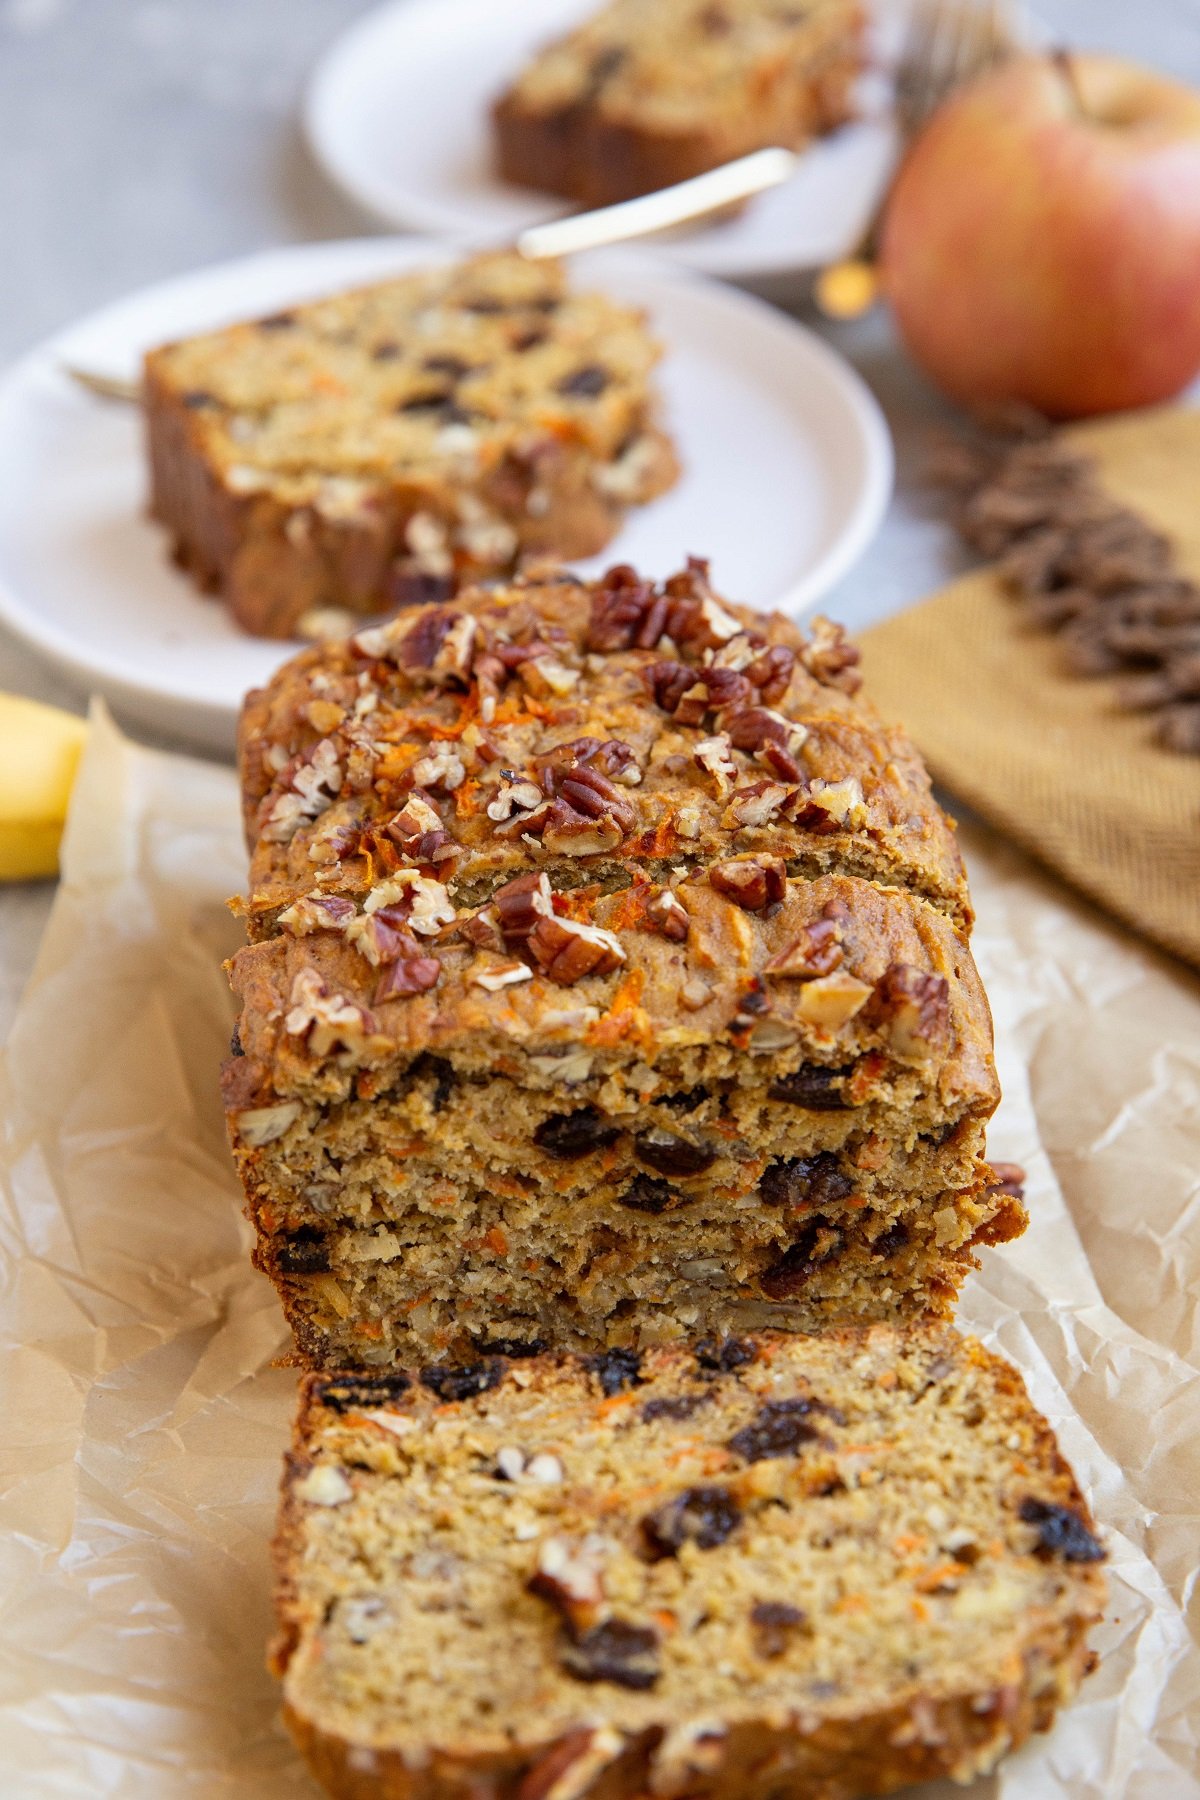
column 317, row 912
column 493, row 976
column 407, row 975
column 752, row 807
column 912, row 1008
column 830, row 658
column 774, row 739
column 307, row 786
column 771, row 672
column 830, row 1001
column 627, row 613
column 704, row 1516
column 817, row 951
column 515, row 796
column 1061, row 1531
column 751, row 882
column 442, row 768
column 673, row 1155
column 520, row 904
column 417, row 900
column 382, row 936
column 568, row 950
column 829, row 806
column 591, row 793
column 668, row 915
column 615, row 1651
column 714, row 756
column 326, row 1020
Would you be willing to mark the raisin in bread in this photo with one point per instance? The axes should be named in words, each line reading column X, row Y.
column 649, row 92
column 773, row 1567
column 380, row 446
column 609, row 983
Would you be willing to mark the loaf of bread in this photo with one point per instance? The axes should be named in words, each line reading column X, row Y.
column 608, row 984
column 648, row 92
column 382, row 446
column 749, row 1569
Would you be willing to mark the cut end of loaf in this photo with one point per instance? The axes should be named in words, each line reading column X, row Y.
column 768, row 1565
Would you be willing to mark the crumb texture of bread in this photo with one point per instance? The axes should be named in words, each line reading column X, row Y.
column 608, row 983
column 648, row 92
column 811, row 1568
column 383, row 446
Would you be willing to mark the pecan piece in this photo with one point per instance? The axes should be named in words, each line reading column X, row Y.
column 668, row 915
column 410, row 975
column 817, row 951
column 627, row 613
column 519, row 905
column 568, row 950
column 912, row 1008
column 751, row 882
column 593, row 794
column 830, row 658
column 704, row 1516
column 771, row 672
column 569, row 1575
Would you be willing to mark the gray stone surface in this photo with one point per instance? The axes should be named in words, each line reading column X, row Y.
column 142, row 138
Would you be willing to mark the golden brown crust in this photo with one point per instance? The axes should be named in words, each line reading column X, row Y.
column 640, row 97
column 385, row 445
column 968, row 1696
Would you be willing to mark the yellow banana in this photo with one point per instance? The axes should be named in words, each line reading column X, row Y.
column 39, row 753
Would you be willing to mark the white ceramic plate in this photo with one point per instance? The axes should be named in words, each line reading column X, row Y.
column 397, row 113
column 788, row 470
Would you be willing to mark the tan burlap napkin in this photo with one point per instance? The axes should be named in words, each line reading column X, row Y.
column 1044, row 755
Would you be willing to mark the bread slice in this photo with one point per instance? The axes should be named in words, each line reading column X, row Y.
column 522, row 1059
column 765, row 1567
column 381, row 446
column 647, row 92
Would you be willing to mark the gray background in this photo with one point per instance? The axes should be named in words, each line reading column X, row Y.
column 142, row 138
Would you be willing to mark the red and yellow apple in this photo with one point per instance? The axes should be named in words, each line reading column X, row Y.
column 1042, row 240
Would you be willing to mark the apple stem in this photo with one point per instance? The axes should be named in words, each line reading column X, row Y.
column 1064, row 62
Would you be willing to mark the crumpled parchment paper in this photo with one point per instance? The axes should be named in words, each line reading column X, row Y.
column 143, row 1424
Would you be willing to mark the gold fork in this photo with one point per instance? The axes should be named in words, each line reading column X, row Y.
column 947, row 43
